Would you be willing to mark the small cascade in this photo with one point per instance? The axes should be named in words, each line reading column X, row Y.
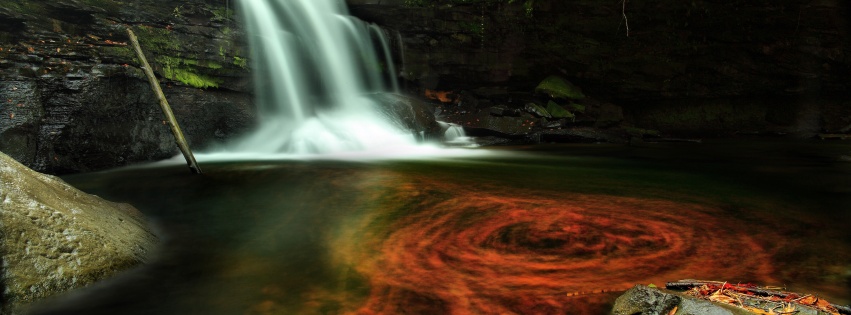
column 314, row 67
column 455, row 136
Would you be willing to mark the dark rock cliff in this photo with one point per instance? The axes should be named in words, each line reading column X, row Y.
column 73, row 95
column 704, row 67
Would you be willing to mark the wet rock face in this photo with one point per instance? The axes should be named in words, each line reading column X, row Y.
column 707, row 48
column 56, row 238
column 414, row 115
column 779, row 67
column 73, row 97
column 66, row 125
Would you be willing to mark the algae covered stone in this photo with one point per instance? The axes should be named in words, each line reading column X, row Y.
column 558, row 88
column 537, row 110
column 559, row 112
column 55, row 238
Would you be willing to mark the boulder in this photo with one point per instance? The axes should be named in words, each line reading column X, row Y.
column 649, row 300
column 558, row 88
column 652, row 301
column 55, row 238
column 559, row 112
column 412, row 113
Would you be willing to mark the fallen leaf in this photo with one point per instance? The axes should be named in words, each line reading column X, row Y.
column 808, row 300
column 673, row 310
column 442, row 96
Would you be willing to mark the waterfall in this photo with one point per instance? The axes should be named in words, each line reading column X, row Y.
column 454, row 135
column 314, row 67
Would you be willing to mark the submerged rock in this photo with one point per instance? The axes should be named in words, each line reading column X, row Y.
column 55, row 238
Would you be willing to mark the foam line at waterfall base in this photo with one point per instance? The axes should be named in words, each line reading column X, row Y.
column 411, row 152
column 403, row 153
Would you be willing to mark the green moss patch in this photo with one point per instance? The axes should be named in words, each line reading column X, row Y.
column 157, row 40
column 240, row 62
column 559, row 88
column 192, row 79
column 186, row 71
column 559, row 112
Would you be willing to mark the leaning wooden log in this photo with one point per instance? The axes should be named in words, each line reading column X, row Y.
column 172, row 122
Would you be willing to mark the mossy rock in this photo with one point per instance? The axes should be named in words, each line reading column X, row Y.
column 192, row 79
column 576, row 108
column 537, row 110
column 558, row 88
column 559, row 112
column 187, row 71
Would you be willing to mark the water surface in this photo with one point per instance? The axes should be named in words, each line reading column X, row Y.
column 536, row 230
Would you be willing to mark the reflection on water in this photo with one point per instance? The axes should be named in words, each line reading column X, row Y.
column 561, row 230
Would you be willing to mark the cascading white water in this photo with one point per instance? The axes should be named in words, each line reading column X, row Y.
column 454, row 135
column 314, row 67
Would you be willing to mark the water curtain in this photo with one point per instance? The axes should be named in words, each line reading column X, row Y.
column 314, row 69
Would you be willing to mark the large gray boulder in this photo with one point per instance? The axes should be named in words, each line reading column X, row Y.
column 55, row 238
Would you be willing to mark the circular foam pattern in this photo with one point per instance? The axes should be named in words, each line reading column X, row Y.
column 463, row 251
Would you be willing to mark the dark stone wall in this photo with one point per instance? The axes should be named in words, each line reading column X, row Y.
column 74, row 97
column 703, row 67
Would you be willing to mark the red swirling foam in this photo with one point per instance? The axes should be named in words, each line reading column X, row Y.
column 458, row 251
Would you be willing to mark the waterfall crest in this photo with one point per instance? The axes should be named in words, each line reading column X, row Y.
column 314, row 67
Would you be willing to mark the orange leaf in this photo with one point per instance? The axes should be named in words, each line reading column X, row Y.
column 808, row 300
column 442, row 96
column 673, row 310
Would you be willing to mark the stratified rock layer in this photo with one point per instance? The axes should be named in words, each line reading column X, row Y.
column 74, row 98
column 55, row 238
